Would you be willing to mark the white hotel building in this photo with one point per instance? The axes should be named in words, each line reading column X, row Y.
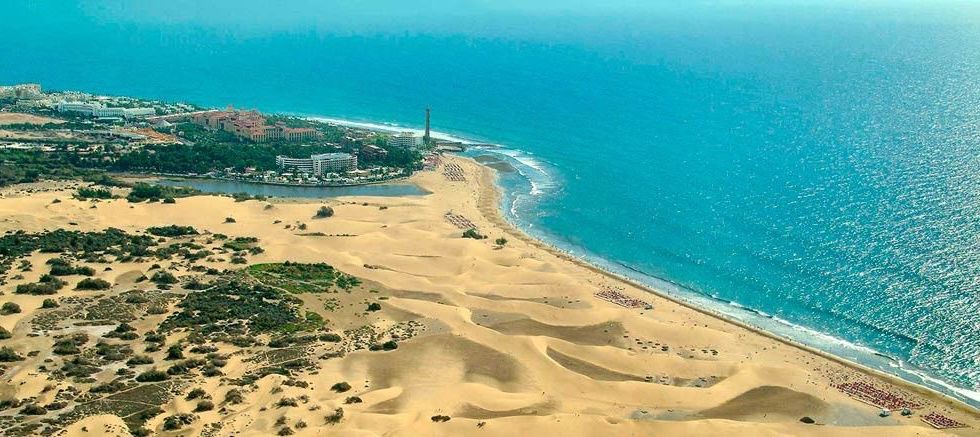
column 100, row 110
column 319, row 164
column 405, row 140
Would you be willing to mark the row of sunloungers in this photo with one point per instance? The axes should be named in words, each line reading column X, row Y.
column 459, row 221
column 878, row 397
column 939, row 421
column 453, row 172
column 621, row 299
column 886, row 400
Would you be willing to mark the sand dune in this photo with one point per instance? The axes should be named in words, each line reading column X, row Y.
column 500, row 340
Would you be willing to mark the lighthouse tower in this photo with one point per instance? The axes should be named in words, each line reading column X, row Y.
column 427, row 139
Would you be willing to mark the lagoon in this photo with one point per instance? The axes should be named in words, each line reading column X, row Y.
column 294, row 191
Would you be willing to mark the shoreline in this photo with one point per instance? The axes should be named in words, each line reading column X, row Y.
column 512, row 336
column 554, row 249
column 489, row 206
column 938, row 385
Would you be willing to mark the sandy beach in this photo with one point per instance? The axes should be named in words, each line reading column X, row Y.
column 498, row 339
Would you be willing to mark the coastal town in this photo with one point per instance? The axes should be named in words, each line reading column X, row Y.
column 141, row 136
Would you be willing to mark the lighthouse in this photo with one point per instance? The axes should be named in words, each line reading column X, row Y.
column 427, row 139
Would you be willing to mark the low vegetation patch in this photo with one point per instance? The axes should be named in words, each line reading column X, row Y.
column 48, row 284
column 178, row 421
column 472, row 233
column 152, row 375
column 142, row 191
column 85, row 193
column 8, row 355
column 161, row 277
column 234, row 307
column 63, row 267
column 172, row 231
column 112, row 242
column 302, row 278
column 93, row 284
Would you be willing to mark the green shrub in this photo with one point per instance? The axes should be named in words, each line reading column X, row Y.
column 472, row 233
column 66, row 347
column 171, row 231
column 177, row 421
column 324, row 212
column 48, row 284
column 197, row 393
column 139, row 360
column 143, row 191
column 68, row 269
column 33, row 410
column 9, row 308
column 161, row 277
column 331, row 337
column 287, row 402
column 152, row 375
column 153, row 337
column 110, row 387
column 234, row 396
column 93, row 193
column 175, row 352
column 93, row 284
column 335, row 417
column 8, row 355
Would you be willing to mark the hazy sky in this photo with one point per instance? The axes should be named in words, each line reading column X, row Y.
column 463, row 16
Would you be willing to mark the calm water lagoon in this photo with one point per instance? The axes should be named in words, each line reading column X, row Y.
column 268, row 190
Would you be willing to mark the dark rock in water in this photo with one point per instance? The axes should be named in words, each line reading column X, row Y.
column 807, row 419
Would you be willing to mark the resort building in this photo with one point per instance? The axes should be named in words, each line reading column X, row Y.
column 253, row 126
column 319, row 164
column 370, row 151
column 82, row 107
column 405, row 140
column 100, row 110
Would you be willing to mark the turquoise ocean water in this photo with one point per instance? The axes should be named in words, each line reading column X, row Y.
column 809, row 167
